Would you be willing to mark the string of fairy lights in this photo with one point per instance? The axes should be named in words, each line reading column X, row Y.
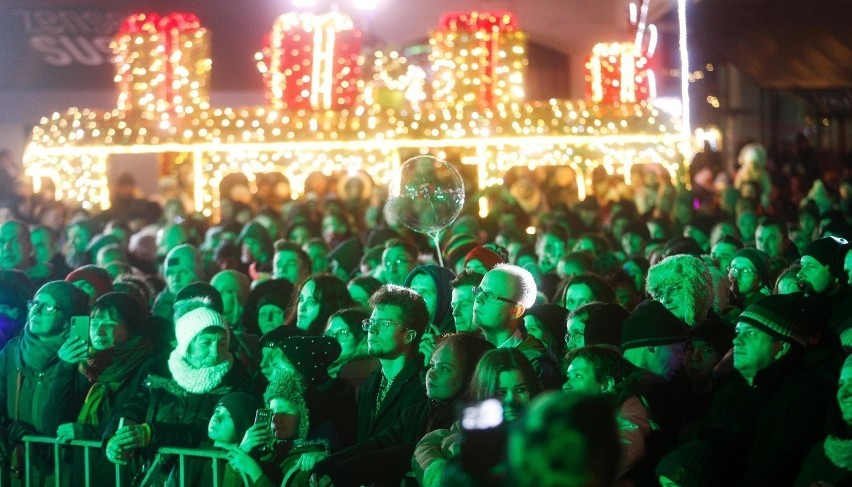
column 331, row 108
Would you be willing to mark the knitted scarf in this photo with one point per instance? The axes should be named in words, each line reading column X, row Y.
column 198, row 381
column 38, row 351
column 107, row 370
column 839, row 451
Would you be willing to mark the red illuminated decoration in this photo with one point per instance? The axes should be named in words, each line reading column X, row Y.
column 162, row 64
column 310, row 62
column 479, row 59
column 618, row 72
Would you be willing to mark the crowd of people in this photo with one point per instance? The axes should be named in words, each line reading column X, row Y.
column 643, row 336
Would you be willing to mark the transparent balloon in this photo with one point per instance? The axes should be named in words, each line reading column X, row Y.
column 426, row 195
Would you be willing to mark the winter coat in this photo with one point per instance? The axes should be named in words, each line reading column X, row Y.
column 760, row 434
column 406, row 390
column 178, row 418
column 333, row 413
column 25, row 391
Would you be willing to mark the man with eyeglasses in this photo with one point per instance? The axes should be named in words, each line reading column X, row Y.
column 396, row 323
column 499, row 303
column 748, row 276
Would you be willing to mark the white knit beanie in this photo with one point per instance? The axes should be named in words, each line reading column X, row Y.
column 191, row 324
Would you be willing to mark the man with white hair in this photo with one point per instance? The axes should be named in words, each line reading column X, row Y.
column 500, row 300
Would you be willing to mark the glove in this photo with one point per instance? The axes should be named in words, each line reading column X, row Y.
column 19, row 429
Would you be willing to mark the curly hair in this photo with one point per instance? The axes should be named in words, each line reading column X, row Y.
column 691, row 273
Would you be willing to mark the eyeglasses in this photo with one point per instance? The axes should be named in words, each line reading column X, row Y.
column 341, row 335
column 575, row 335
column 43, row 308
column 735, row 271
column 664, row 293
column 374, row 326
column 478, row 291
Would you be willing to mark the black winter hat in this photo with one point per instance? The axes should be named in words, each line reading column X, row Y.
column 652, row 324
column 129, row 308
column 552, row 316
column 759, row 260
column 242, row 407
column 201, row 289
column 829, row 251
column 604, row 324
column 71, row 300
column 781, row 316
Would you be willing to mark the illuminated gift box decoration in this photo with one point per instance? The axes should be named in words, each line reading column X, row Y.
column 478, row 58
column 617, row 73
column 395, row 119
column 162, row 65
column 311, row 62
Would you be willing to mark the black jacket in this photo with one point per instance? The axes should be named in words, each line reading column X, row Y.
column 406, row 390
column 760, row 434
column 177, row 417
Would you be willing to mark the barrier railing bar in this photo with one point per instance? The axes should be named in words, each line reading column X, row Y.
column 213, row 455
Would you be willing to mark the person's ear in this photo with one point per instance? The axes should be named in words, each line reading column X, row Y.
column 783, row 350
column 518, row 311
column 410, row 335
column 610, row 384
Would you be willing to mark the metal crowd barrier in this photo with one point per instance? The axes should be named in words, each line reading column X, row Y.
column 87, row 445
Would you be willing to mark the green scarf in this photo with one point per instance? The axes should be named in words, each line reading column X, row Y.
column 39, row 351
column 107, row 370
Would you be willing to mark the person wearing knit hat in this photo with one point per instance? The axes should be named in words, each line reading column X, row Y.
column 102, row 370
column 822, row 278
column 233, row 287
column 482, row 259
column 272, row 312
column 764, row 418
column 232, row 417
column 654, row 339
column 822, row 264
column 93, row 280
column 28, row 362
column 180, row 393
column 182, row 267
column 748, row 276
column 781, row 318
column 281, row 291
column 547, row 323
